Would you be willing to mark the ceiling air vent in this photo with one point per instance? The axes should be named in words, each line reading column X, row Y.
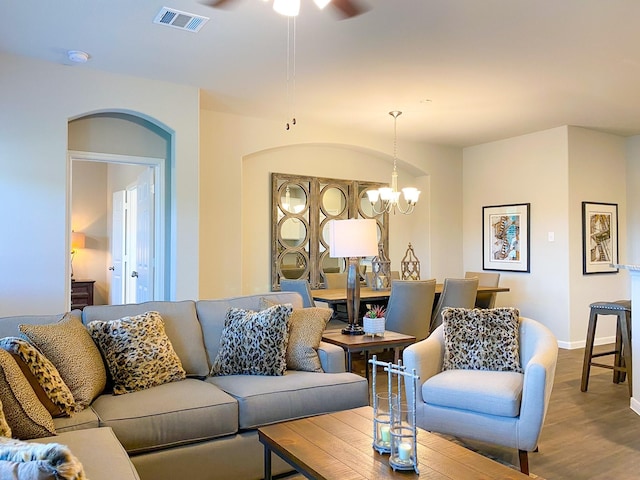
column 181, row 20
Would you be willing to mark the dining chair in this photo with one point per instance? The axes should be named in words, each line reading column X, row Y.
column 409, row 308
column 456, row 292
column 485, row 279
column 302, row 287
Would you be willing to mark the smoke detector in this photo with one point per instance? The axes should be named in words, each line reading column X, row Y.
column 178, row 19
column 77, row 56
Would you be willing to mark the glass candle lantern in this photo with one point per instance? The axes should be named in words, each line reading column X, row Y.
column 383, row 403
column 403, row 437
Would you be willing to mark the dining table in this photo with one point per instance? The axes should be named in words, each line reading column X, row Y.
column 336, row 296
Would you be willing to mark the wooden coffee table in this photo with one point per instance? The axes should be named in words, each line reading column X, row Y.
column 337, row 446
column 365, row 343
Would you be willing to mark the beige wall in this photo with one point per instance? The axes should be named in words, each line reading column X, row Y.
column 34, row 182
column 239, row 152
column 553, row 170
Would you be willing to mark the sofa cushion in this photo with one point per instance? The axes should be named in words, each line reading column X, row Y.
column 481, row 339
column 180, row 323
column 24, row 413
column 42, row 375
column 254, row 343
column 168, row 415
column 482, row 391
column 86, row 418
column 305, row 334
column 34, row 461
column 100, row 453
column 212, row 314
column 138, row 352
column 70, row 348
column 270, row 399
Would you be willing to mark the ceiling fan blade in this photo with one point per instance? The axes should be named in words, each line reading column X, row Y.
column 348, row 8
column 219, row 3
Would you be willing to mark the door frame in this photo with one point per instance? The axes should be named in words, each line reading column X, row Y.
column 159, row 166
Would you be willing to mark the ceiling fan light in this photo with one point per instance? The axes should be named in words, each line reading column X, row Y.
column 288, row 8
column 322, row 3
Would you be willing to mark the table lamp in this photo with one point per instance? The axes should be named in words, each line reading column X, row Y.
column 353, row 239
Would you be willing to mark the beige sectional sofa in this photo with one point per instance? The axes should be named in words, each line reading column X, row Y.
column 201, row 427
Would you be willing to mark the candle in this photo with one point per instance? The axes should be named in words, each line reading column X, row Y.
column 385, row 435
column 404, row 451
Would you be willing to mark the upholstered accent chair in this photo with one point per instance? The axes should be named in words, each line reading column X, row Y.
column 485, row 279
column 409, row 308
column 505, row 408
column 456, row 292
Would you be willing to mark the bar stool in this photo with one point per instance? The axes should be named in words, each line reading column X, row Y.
column 622, row 360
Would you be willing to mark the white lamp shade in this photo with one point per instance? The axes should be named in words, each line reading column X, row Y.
column 353, row 238
column 77, row 240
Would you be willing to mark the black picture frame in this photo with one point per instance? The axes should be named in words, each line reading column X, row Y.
column 599, row 237
column 506, row 237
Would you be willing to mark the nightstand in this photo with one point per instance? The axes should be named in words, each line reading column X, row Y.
column 81, row 293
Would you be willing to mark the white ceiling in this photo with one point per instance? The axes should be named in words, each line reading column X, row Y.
column 464, row 72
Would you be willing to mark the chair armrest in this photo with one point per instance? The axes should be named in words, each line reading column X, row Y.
column 539, row 372
column 426, row 358
column 331, row 358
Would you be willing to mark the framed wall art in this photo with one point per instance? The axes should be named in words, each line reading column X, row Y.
column 505, row 238
column 599, row 237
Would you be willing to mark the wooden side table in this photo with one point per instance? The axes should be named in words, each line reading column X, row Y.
column 81, row 293
column 363, row 343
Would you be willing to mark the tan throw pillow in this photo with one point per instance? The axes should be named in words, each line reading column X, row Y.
column 24, row 413
column 42, row 375
column 138, row 352
column 307, row 326
column 70, row 348
column 254, row 343
column 481, row 339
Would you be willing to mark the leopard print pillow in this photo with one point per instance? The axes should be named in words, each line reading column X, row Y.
column 137, row 351
column 481, row 339
column 254, row 343
column 43, row 376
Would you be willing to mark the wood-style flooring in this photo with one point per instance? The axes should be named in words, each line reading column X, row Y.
column 590, row 435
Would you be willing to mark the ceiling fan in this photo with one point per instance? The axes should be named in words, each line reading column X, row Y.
column 290, row 8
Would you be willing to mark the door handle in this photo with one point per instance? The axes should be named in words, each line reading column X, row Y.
column 134, row 274
column 112, row 268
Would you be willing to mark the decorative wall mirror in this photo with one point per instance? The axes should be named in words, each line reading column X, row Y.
column 301, row 208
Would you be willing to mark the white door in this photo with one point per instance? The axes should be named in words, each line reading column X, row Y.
column 131, row 246
column 116, row 288
column 145, row 236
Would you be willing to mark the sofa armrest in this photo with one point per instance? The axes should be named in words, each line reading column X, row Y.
column 426, row 358
column 331, row 358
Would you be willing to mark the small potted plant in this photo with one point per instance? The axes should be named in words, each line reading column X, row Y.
column 373, row 321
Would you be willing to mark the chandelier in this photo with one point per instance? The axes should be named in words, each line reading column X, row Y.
column 387, row 199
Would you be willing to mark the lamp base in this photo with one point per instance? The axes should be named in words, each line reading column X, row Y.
column 353, row 329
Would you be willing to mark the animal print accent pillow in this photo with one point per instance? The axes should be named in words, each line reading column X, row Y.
column 42, row 375
column 25, row 415
column 38, row 461
column 481, row 339
column 137, row 351
column 68, row 345
column 305, row 334
column 254, row 343
column 5, row 429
